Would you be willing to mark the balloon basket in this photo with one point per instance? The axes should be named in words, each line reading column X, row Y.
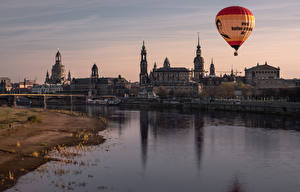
column 236, row 53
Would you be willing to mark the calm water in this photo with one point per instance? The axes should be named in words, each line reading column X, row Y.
column 181, row 151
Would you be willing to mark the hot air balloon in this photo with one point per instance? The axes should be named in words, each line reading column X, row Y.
column 235, row 24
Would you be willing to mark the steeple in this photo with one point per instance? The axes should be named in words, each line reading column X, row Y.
column 95, row 73
column 69, row 76
column 198, row 63
column 58, row 57
column 143, row 66
column 198, row 52
column 47, row 79
column 155, row 66
column 212, row 68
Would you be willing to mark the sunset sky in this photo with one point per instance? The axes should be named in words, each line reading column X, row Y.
column 110, row 33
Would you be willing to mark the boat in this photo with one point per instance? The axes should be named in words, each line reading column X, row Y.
column 105, row 100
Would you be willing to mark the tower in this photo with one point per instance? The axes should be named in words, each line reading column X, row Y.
column 58, row 75
column 143, row 66
column 155, row 66
column 212, row 69
column 47, row 79
column 198, row 63
column 69, row 76
column 58, row 58
column 95, row 74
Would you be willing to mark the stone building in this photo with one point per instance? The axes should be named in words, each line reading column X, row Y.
column 5, row 84
column 261, row 72
column 174, row 79
column 169, row 75
column 58, row 72
column 99, row 86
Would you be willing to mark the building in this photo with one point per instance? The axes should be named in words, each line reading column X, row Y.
column 169, row 75
column 99, row 86
column 174, row 79
column 199, row 71
column 58, row 72
column 23, row 86
column 261, row 72
column 5, row 85
column 144, row 80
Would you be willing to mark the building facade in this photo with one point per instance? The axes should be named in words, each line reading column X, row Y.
column 173, row 79
column 96, row 86
column 261, row 72
column 5, row 85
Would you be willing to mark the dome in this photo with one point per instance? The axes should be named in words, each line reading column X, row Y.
column 199, row 60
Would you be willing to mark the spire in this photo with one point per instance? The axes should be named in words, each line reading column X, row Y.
column 198, row 52
column 47, row 77
column 143, row 66
column 69, row 76
column 143, row 52
column 198, row 41
column 95, row 73
column 212, row 68
column 58, row 57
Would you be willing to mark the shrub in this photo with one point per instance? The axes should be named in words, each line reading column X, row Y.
column 34, row 119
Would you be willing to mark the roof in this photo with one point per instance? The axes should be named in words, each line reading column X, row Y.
column 262, row 67
column 81, row 80
column 172, row 69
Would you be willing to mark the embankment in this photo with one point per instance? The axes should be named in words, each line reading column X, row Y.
column 27, row 135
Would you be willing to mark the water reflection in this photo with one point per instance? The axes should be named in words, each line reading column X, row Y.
column 144, row 124
column 199, row 136
column 236, row 186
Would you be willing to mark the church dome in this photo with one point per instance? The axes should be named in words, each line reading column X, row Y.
column 199, row 59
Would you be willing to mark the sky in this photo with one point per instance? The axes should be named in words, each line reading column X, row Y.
column 110, row 34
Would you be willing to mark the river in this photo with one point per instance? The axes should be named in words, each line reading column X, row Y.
column 175, row 150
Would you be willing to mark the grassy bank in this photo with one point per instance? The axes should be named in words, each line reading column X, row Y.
column 27, row 135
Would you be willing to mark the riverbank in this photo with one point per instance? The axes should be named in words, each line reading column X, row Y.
column 262, row 107
column 27, row 135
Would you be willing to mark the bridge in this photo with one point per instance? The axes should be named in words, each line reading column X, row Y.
column 42, row 99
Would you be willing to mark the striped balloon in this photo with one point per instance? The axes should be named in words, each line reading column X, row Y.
column 235, row 24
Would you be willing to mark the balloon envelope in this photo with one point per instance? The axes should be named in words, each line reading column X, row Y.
column 235, row 24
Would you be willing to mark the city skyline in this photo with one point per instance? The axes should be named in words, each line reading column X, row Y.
column 110, row 33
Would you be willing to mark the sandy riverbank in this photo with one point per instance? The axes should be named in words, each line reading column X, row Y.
column 25, row 143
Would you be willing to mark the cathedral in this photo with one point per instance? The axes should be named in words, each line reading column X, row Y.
column 58, row 75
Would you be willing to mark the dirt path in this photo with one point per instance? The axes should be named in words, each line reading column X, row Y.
column 24, row 146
